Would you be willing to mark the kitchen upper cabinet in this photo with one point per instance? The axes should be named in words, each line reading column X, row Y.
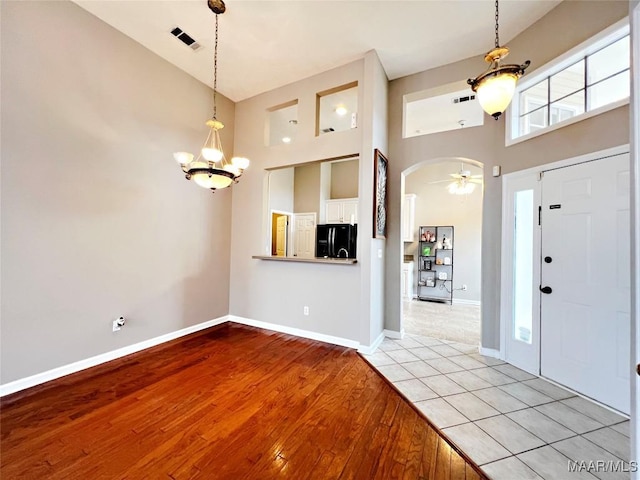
column 408, row 216
column 344, row 210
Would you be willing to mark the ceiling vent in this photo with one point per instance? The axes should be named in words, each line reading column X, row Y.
column 466, row 98
column 185, row 38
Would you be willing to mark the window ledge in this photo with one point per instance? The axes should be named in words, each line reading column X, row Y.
column 570, row 121
column 335, row 261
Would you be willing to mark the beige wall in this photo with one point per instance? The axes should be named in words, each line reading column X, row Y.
column 97, row 218
column 436, row 206
column 344, row 179
column 543, row 41
column 339, row 296
column 332, row 292
column 307, row 189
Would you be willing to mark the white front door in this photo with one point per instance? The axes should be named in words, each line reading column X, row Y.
column 585, row 279
column 304, row 235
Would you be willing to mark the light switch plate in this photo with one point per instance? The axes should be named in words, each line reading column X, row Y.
column 496, row 170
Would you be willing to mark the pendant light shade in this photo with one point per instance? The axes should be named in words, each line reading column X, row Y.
column 496, row 86
column 211, row 169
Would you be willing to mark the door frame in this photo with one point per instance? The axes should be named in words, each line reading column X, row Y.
column 506, row 265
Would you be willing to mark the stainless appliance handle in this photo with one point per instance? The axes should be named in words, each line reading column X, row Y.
column 332, row 242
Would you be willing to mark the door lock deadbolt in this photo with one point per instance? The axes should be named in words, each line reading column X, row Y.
column 548, row 259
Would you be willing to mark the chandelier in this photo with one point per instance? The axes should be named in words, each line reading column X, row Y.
column 211, row 169
column 496, row 86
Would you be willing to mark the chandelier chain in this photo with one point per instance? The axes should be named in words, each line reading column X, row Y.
column 497, row 36
column 215, row 70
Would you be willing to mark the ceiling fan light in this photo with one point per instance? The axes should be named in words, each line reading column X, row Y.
column 461, row 188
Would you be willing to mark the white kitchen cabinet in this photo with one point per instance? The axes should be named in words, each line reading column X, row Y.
column 344, row 210
column 407, row 280
column 408, row 215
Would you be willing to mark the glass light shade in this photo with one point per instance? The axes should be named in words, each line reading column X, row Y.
column 495, row 92
column 459, row 188
column 240, row 162
column 183, row 157
column 212, row 154
column 232, row 169
column 211, row 181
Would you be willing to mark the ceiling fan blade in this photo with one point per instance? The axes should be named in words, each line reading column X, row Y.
column 475, row 180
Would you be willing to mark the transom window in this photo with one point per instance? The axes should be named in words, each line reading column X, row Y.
column 592, row 78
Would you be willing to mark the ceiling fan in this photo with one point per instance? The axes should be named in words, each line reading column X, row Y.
column 464, row 183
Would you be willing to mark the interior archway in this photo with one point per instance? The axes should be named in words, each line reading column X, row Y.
column 449, row 308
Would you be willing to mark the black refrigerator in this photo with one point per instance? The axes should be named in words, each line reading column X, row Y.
column 337, row 240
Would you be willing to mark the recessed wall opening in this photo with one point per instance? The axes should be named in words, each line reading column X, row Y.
column 441, row 269
column 302, row 199
column 282, row 124
column 337, row 109
column 449, row 107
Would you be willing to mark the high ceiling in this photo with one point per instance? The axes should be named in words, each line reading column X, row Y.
column 265, row 44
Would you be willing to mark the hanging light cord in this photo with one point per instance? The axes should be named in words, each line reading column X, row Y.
column 497, row 37
column 215, row 70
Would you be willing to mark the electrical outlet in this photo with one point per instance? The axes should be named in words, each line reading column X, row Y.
column 117, row 324
column 464, row 287
column 305, row 310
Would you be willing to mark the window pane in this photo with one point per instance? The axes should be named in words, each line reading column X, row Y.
column 567, row 81
column 609, row 91
column 533, row 97
column 523, row 267
column 609, row 60
column 533, row 121
column 567, row 107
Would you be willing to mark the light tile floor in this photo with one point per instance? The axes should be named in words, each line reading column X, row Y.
column 513, row 424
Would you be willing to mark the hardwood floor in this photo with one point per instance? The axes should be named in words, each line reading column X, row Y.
column 231, row 402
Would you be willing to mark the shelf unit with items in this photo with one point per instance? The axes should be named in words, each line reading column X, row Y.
column 435, row 263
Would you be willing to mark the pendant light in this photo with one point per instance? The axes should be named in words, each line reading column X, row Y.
column 211, row 169
column 496, row 86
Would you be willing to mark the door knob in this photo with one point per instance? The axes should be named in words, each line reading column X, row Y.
column 548, row 259
column 546, row 290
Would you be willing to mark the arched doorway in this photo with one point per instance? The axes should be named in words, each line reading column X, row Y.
column 441, row 284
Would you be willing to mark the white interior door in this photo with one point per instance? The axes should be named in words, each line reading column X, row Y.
column 585, row 247
column 520, row 271
column 304, row 235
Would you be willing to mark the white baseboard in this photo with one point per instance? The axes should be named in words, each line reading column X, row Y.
column 394, row 334
column 58, row 372
column 462, row 301
column 343, row 342
column 490, row 352
column 370, row 349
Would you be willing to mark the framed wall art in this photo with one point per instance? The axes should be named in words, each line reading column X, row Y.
column 380, row 169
